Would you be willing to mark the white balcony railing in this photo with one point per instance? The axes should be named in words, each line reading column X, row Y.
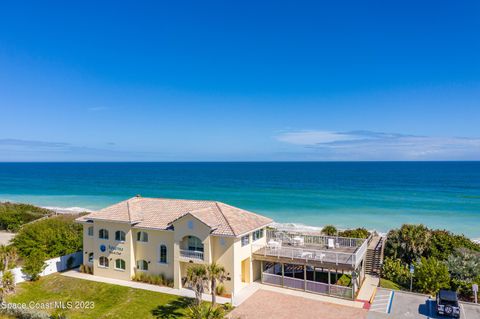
column 305, row 253
column 191, row 254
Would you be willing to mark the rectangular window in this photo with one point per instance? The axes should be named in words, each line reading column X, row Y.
column 120, row 264
column 257, row 234
column 245, row 240
column 163, row 254
column 90, row 231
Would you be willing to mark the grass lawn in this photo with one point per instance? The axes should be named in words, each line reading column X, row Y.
column 384, row 283
column 110, row 301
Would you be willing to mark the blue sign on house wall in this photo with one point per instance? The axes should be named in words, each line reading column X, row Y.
column 103, row 248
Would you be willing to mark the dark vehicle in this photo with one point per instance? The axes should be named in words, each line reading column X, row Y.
column 447, row 304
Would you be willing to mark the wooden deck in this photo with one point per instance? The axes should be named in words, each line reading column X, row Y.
column 342, row 258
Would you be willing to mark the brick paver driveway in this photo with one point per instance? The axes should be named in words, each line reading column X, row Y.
column 268, row 304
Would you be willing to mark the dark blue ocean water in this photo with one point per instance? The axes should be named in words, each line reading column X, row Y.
column 378, row 195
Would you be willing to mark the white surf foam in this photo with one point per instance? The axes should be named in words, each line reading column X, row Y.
column 68, row 210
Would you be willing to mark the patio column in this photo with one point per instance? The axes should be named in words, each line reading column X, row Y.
column 329, row 281
column 261, row 271
column 314, row 273
column 283, row 272
column 305, row 277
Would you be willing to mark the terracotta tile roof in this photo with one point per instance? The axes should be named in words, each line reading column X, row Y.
column 159, row 213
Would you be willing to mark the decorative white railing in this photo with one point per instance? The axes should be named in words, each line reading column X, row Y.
column 272, row 279
column 361, row 251
column 308, row 285
column 317, row 287
column 191, row 254
column 307, row 254
column 294, row 283
column 341, row 291
column 314, row 240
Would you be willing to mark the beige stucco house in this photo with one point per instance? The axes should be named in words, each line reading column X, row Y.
column 165, row 236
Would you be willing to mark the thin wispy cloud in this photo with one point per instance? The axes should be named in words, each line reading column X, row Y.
column 367, row 145
column 32, row 150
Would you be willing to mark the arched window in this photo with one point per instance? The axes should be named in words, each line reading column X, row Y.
column 142, row 265
column 163, row 254
column 120, row 235
column 120, row 264
column 90, row 231
column 90, row 258
column 103, row 262
column 142, row 236
column 195, row 244
column 103, row 234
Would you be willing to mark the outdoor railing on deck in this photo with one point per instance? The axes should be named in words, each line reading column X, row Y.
column 306, row 254
column 313, row 239
column 361, row 251
column 191, row 254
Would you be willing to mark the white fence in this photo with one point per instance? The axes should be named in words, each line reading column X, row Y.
column 53, row 265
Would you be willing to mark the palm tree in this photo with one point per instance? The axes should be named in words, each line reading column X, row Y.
column 8, row 257
column 197, row 278
column 8, row 281
column 204, row 311
column 216, row 273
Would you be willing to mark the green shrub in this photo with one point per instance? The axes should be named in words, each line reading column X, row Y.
column 24, row 313
column 153, row 279
column 409, row 243
column 355, row 233
column 443, row 243
column 431, row 275
column 329, row 230
column 344, row 280
column 86, row 269
column 395, row 270
column 34, row 264
column 13, row 216
column 220, row 290
column 54, row 236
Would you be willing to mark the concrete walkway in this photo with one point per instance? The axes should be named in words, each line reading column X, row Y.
column 270, row 304
column 308, row 295
column 140, row 285
column 368, row 288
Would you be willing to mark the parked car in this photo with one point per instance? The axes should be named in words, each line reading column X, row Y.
column 447, row 304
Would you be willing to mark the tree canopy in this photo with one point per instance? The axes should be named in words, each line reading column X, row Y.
column 13, row 215
column 54, row 236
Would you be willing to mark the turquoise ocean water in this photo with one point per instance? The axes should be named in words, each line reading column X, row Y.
column 376, row 195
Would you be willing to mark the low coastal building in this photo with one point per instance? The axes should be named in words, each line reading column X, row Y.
column 165, row 236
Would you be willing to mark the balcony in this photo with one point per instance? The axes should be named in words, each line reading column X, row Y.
column 191, row 254
column 344, row 253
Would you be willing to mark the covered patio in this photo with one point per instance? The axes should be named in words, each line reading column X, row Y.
column 313, row 263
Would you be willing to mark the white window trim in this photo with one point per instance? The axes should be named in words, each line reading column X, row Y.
column 241, row 240
column 160, row 255
column 148, row 267
column 120, row 241
column 101, row 266
column 120, row 269
column 108, row 237
column 88, row 231
column 141, row 241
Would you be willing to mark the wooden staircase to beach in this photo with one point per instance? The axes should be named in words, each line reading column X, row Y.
column 374, row 255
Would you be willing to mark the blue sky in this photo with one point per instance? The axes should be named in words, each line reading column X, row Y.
column 243, row 80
